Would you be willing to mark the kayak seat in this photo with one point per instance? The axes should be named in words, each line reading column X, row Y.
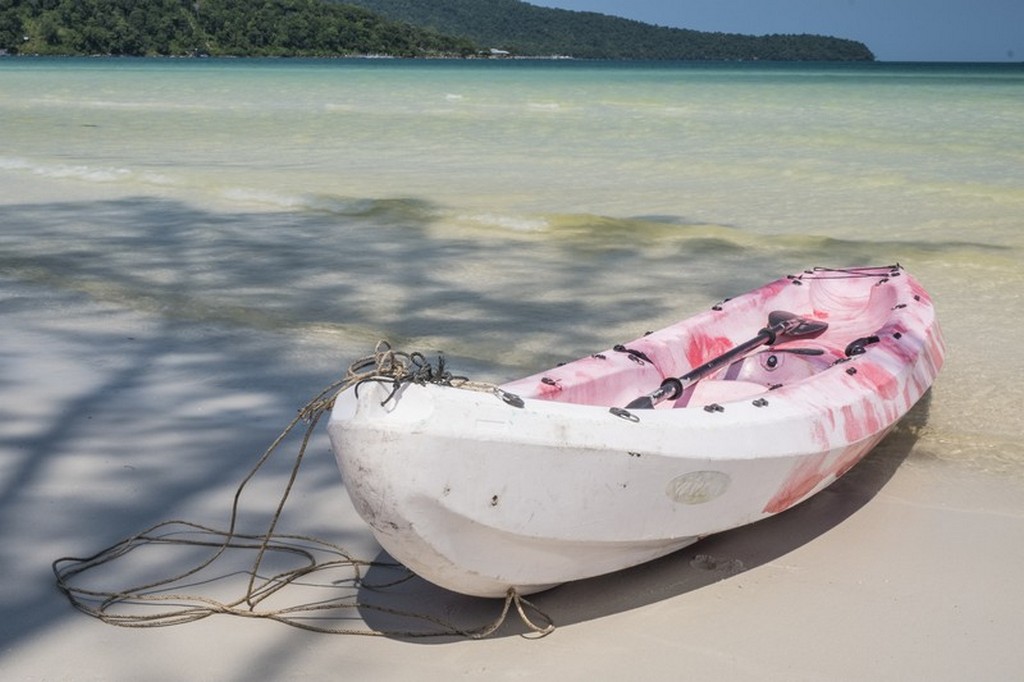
column 777, row 366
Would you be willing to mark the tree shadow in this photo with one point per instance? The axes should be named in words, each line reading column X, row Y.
column 405, row 269
column 715, row 558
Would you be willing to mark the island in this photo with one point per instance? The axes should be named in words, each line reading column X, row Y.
column 396, row 28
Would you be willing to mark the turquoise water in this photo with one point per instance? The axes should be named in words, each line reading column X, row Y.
column 516, row 214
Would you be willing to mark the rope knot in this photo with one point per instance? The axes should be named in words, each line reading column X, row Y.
column 398, row 368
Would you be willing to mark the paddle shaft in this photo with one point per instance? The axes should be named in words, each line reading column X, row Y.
column 780, row 323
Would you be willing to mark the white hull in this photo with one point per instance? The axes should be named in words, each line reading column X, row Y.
column 477, row 495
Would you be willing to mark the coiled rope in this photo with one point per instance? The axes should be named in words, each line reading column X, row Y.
column 160, row 602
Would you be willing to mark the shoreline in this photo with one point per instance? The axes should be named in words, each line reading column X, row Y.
column 1009, row 63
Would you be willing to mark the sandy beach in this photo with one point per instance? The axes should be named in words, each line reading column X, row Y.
column 114, row 420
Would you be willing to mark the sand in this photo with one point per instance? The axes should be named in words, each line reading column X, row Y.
column 112, row 420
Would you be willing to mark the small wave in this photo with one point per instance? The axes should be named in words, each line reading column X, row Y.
column 299, row 202
column 87, row 173
column 505, row 223
column 83, row 172
column 161, row 105
column 64, row 171
column 278, row 200
column 9, row 163
column 361, row 207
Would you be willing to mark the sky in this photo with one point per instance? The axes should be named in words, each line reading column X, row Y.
column 895, row 30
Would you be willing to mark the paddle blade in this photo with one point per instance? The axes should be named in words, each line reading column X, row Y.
column 788, row 324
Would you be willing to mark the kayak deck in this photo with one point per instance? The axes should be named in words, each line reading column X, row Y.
column 618, row 375
column 549, row 479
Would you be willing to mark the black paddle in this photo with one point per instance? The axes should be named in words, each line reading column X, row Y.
column 780, row 323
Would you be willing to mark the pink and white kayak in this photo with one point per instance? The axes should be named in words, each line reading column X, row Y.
column 720, row 420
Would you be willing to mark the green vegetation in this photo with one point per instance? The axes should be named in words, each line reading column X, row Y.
column 406, row 28
column 216, row 27
column 525, row 29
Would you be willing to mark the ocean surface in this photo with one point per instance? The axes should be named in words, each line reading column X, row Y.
column 519, row 213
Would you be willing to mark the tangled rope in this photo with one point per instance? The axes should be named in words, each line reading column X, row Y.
column 159, row 602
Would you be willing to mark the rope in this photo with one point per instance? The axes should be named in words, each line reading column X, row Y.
column 160, row 603
column 846, row 273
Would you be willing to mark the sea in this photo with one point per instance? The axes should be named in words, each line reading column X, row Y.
column 518, row 213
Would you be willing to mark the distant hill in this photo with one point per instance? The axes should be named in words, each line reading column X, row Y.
column 405, row 28
column 525, row 29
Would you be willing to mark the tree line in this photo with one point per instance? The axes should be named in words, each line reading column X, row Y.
column 301, row 28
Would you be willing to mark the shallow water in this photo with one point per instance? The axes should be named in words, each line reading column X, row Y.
column 516, row 214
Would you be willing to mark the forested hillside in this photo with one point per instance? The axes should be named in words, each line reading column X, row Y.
column 407, row 28
column 214, row 27
column 526, row 29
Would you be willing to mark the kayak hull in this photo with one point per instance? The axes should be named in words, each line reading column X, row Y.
column 478, row 492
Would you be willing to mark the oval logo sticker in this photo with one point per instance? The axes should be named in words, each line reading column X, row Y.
column 697, row 487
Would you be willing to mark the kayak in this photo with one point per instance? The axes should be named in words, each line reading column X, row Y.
column 631, row 453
